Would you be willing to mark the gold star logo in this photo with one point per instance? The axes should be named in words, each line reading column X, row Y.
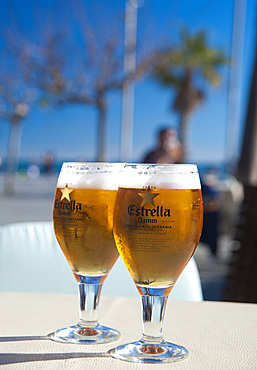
column 148, row 197
column 66, row 193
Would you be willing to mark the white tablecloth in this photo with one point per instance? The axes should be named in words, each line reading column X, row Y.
column 218, row 335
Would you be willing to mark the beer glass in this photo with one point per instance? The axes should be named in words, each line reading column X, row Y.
column 83, row 225
column 158, row 218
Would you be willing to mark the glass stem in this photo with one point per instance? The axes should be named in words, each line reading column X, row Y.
column 89, row 295
column 153, row 308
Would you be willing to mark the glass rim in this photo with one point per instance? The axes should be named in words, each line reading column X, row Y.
column 175, row 168
column 90, row 175
column 136, row 165
column 77, row 163
column 163, row 176
column 87, row 166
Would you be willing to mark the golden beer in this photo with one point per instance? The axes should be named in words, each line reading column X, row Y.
column 83, row 224
column 156, row 232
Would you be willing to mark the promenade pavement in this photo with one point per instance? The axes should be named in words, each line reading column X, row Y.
column 33, row 201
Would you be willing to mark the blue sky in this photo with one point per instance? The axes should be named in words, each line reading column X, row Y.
column 71, row 132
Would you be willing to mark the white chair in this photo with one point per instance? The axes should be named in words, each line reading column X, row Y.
column 32, row 261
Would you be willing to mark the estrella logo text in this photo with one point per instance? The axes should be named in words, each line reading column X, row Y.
column 68, row 206
column 158, row 211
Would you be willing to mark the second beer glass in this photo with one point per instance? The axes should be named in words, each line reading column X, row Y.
column 83, row 224
column 158, row 218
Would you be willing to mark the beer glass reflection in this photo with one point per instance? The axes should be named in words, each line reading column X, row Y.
column 157, row 226
column 83, row 224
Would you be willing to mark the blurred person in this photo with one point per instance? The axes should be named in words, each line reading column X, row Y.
column 168, row 150
column 212, row 209
column 48, row 163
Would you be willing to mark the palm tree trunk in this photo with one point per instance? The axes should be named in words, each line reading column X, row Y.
column 12, row 157
column 101, row 106
column 182, row 131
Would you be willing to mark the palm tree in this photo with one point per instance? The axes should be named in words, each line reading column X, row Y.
column 183, row 68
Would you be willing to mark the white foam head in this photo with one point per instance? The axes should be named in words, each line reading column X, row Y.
column 178, row 176
column 90, row 175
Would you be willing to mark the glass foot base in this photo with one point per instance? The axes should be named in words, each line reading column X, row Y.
column 141, row 351
column 85, row 335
